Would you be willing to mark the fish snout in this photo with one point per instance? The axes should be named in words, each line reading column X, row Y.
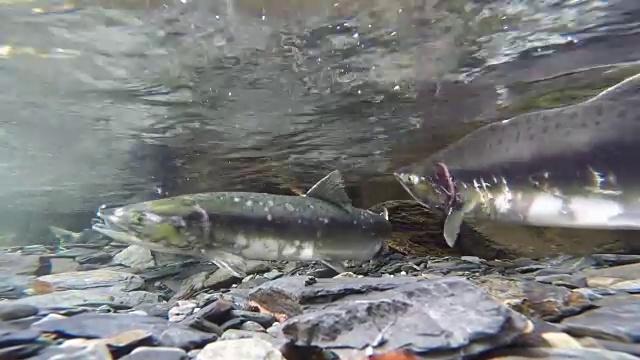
column 119, row 216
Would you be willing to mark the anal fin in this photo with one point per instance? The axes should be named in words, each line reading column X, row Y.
column 625, row 220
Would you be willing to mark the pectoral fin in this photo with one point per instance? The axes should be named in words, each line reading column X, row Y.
column 234, row 263
column 452, row 225
column 385, row 214
column 335, row 265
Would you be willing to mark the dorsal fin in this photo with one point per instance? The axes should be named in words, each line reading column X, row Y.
column 331, row 189
column 628, row 87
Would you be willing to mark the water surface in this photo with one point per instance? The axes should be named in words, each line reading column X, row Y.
column 119, row 100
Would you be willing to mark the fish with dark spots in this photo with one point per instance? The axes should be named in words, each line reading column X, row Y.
column 230, row 227
column 582, row 174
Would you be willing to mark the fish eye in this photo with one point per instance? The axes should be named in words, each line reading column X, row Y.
column 414, row 179
column 137, row 218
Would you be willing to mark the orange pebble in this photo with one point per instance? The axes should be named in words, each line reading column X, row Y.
column 395, row 355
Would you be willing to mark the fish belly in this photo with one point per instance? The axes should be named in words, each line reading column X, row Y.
column 265, row 247
column 581, row 212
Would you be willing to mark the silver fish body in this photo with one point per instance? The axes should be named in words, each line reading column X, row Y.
column 226, row 227
column 572, row 167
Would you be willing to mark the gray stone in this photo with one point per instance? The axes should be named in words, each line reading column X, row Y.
column 11, row 337
column 630, row 286
column 210, row 317
column 618, row 318
column 13, row 311
column 446, row 316
column 221, row 278
column 155, row 309
column 156, row 353
column 273, row 274
column 558, row 279
column 551, row 302
column 181, row 310
column 90, row 325
column 136, row 257
column 245, row 349
column 265, row 320
column 190, row 286
column 624, row 272
column 74, row 252
column 235, row 334
column 253, row 326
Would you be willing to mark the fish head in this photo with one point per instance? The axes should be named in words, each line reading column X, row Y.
column 165, row 225
column 431, row 186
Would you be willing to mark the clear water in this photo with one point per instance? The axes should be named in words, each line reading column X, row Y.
column 109, row 101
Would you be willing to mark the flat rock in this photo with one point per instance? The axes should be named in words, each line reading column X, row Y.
column 62, row 265
column 70, row 298
column 21, row 351
column 97, row 258
column 551, row 302
column 223, row 278
column 210, row 316
column 234, row 334
column 75, row 349
column 156, row 353
column 561, row 354
column 136, row 257
column 624, row 272
column 75, row 252
column 288, row 295
column 616, row 259
column 245, row 349
column 91, row 325
column 444, row 317
column 13, row 311
column 80, row 280
column 618, row 318
column 15, row 286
